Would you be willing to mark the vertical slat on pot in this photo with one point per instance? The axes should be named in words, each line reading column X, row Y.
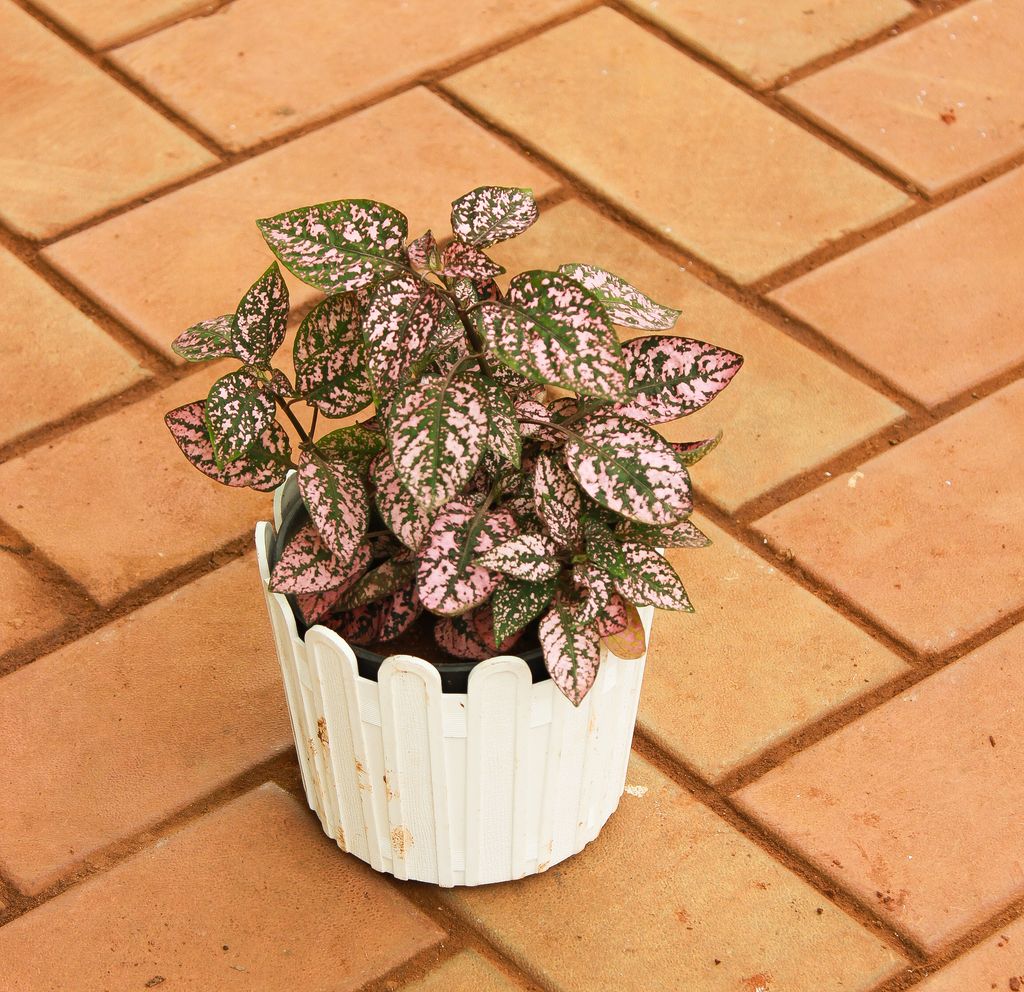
column 601, row 727
column 412, row 725
column 497, row 742
column 341, row 737
column 285, row 639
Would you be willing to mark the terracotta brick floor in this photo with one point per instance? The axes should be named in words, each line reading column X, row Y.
column 828, row 784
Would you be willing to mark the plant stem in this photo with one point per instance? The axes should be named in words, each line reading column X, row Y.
column 312, row 425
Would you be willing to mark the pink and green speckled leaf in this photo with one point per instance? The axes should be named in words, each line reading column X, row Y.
column 263, row 468
column 449, row 582
column 518, row 601
column 381, row 582
column 238, row 410
column 684, row 534
column 628, row 468
column 308, row 565
column 404, row 317
column 437, row 432
column 423, row 253
column 338, row 246
column 534, row 419
column 262, row 318
column 526, row 556
column 330, row 367
column 557, row 498
column 603, row 547
column 552, row 331
column 571, row 654
column 597, row 587
column 628, row 641
column 503, row 436
column 469, row 292
column 472, row 635
column 206, row 340
column 671, row 377
column 316, row 606
column 624, row 304
column 691, row 452
column 652, row 581
column 489, row 214
column 398, row 508
column 399, row 612
column 355, row 445
column 360, row 626
column 337, row 503
column 461, row 260
column 614, row 617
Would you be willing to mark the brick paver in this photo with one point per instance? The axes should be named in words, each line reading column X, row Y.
column 990, row 965
column 54, row 358
column 760, row 659
column 817, row 410
column 139, row 719
column 661, row 146
column 103, row 23
column 247, row 898
column 466, row 972
column 938, row 104
column 933, row 306
column 248, row 73
column 746, row 190
column 191, row 255
column 761, row 41
column 916, row 806
column 76, row 142
column 31, row 608
column 927, row 537
column 116, row 504
column 671, row 896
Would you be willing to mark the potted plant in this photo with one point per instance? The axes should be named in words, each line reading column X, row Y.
column 461, row 577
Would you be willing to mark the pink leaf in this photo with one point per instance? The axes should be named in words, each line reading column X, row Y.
column 399, row 612
column 614, row 617
column 315, row 606
column 629, row 641
column 489, row 214
column 459, row 637
column 402, row 514
column 307, row 565
column 449, row 583
column 437, row 428
column 571, row 654
column 423, row 251
column 528, row 556
column 623, row 303
column 557, row 497
column 207, row 339
column 684, row 534
column 238, row 410
column 671, row 377
column 598, row 588
column 652, row 581
column 337, row 503
column 462, row 260
column 691, row 452
column 533, row 417
column 359, row 626
column 404, row 316
column 263, row 467
column 629, row 468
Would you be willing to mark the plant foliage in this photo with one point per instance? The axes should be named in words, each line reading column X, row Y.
column 463, row 489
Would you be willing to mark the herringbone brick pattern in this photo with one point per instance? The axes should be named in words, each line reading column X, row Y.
column 826, row 791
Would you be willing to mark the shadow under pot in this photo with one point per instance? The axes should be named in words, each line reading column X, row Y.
column 418, row 641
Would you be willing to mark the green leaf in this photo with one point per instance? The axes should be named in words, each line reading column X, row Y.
column 330, row 367
column 603, row 547
column 623, row 303
column 380, row 582
column 206, row 340
column 503, row 436
column 684, row 534
column 524, row 556
column 337, row 503
column 238, row 411
column 355, row 445
column 691, row 452
column 437, row 432
column 518, row 601
column 651, row 580
column 571, row 654
column 262, row 318
column 341, row 245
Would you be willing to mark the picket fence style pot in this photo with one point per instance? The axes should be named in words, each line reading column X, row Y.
column 502, row 781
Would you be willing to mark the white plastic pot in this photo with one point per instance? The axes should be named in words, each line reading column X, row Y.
column 493, row 784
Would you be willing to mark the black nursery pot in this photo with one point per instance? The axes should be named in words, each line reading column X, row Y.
column 454, row 671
